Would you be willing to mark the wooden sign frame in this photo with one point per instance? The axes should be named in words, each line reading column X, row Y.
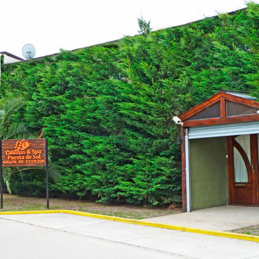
column 24, row 152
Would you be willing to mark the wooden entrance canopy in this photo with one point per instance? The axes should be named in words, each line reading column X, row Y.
column 222, row 108
column 223, row 115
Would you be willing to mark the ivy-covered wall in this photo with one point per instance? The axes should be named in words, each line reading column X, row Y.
column 107, row 110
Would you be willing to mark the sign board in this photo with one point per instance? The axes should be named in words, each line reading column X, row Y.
column 23, row 152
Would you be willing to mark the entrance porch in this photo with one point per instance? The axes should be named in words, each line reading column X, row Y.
column 220, row 152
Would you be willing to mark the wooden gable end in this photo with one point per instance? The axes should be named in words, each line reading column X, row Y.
column 222, row 108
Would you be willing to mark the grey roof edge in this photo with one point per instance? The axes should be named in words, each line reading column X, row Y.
column 113, row 42
column 11, row 55
column 244, row 95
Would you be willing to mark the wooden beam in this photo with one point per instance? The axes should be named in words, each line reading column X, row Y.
column 222, row 107
column 217, row 121
column 230, row 166
column 200, row 107
column 254, row 163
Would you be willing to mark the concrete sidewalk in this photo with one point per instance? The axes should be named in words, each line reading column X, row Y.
column 41, row 236
column 223, row 218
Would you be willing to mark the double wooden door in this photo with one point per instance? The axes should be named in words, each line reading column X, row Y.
column 243, row 169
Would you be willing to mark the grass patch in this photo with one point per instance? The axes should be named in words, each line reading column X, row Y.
column 251, row 230
column 18, row 203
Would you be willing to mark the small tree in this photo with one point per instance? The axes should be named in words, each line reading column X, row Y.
column 144, row 26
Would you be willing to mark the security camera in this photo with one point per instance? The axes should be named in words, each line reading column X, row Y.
column 177, row 120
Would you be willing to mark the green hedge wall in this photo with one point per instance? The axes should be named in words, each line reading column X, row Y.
column 107, row 110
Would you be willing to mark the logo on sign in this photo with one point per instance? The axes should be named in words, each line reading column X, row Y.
column 22, row 145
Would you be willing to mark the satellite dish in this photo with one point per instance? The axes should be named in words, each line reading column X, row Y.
column 28, row 51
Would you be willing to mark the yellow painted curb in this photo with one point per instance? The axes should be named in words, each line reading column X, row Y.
column 30, row 212
column 142, row 223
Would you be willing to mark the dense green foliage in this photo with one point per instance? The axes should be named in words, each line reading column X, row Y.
column 107, row 110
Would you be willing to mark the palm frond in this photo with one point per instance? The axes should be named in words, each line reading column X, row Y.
column 9, row 107
column 14, row 130
column 7, row 173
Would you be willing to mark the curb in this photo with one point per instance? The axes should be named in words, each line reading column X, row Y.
column 142, row 223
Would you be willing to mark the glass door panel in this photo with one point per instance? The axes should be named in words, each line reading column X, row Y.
column 240, row 169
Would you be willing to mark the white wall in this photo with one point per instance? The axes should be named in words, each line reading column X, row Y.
column 9, row 60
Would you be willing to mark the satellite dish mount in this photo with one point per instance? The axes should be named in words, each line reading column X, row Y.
column 28, row 51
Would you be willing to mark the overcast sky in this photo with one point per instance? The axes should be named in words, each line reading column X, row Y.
column 54, row 24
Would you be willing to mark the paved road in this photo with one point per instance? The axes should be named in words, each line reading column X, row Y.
column 69, row 236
